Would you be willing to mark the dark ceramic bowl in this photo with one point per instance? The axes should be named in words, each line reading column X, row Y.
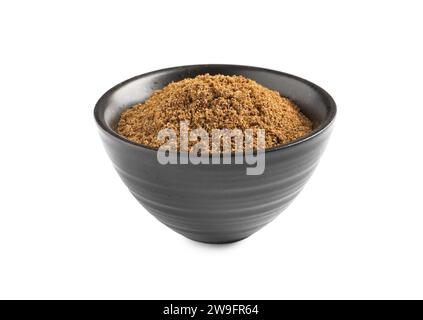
column 216, row 203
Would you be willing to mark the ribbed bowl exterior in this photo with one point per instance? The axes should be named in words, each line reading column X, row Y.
column 215, row 203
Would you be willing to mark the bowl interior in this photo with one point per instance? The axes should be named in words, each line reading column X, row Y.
column 313, row 101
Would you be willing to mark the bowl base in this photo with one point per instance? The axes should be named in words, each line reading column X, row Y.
column 215, row 242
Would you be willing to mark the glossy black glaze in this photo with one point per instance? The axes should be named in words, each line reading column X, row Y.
column 216, row 203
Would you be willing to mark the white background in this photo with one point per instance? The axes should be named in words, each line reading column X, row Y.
column 70, row 229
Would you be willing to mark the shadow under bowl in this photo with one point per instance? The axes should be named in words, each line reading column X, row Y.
column 216, row 203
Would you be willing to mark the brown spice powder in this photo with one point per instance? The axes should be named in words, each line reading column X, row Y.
column 215, row 102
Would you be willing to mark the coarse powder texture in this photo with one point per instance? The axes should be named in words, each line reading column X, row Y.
column 214, row 102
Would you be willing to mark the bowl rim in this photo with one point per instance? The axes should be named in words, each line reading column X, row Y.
column 331, row 105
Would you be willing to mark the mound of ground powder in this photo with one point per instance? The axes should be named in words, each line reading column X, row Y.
column 214, row 102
